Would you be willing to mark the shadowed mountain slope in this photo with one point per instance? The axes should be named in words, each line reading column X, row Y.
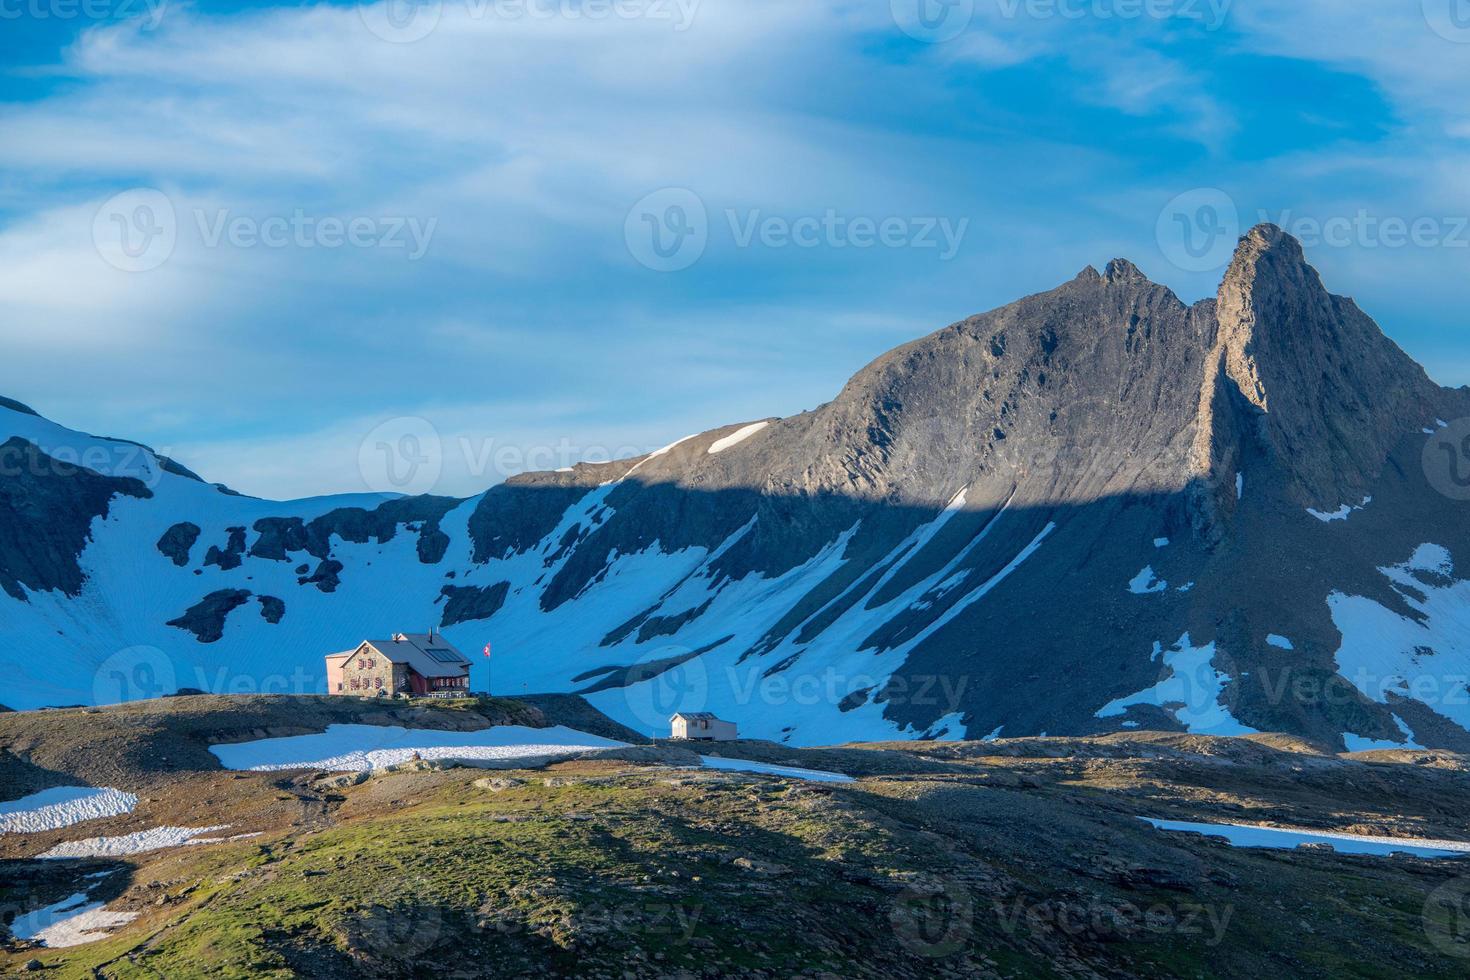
column 1094, row 508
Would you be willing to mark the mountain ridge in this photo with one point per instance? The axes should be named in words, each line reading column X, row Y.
column 1086, row 510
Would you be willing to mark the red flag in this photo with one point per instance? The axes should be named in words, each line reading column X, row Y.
column 487, row 649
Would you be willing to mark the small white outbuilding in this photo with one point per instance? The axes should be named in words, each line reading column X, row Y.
column 702, row 726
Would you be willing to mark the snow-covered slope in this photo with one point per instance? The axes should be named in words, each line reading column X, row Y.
column 950, row 548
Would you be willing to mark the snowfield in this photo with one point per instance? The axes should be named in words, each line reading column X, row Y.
column 735, row 438
column 794, row 772
column 62, row 806
column 1249, row 835
column 153, row 839
column 362, row 748
column 1189, row 687
column 69, row 922
column 1425, row 659
column 359, row 748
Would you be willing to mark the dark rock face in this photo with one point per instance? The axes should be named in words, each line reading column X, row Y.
column 271, row 609
column 326, row 577
column 229, row 558
column 468, row 602
column 16, row 406
column 521, row 511
column 206, row 618
column 279, row 536
column 177, row 542
column 47, row 507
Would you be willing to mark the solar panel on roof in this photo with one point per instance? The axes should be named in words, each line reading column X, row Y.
column 443, row 656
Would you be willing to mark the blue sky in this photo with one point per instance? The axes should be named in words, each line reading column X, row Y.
column 350, row 222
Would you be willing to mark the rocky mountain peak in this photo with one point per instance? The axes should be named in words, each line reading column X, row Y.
column 1305, row 375
column 1121, row 270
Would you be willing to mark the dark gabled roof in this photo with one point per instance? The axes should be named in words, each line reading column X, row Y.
column 695, row 716
column 428, row 655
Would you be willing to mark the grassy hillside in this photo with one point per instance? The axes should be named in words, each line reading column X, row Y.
column 1020, row 858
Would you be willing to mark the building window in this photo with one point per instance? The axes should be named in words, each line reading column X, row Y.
column 370, row 664
column 377, row 682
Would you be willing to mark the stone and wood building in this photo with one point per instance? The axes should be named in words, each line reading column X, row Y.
column 407, row 663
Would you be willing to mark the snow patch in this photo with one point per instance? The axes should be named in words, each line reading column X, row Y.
column 1424, row 658
column 69, row 922
column 62, row 806
column 1190, row 692
column 1250, row 835
column 1279, row 641
column 742, row 765
column 153, row 839
column 1144, row 582
column 1161, row 542
column 358, row 748
column 736, row 437
column 1239, row 485
column 1342, row 513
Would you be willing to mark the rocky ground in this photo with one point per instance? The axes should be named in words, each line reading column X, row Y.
column 1013, row 858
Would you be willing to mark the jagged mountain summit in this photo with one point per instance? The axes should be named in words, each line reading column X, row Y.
column 1093, row 509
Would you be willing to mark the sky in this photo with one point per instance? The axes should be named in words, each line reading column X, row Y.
column 286, row 244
